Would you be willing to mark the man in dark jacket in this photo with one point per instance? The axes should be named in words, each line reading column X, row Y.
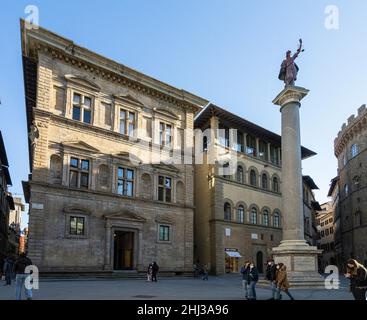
column 254, row 278
column 155, row 269
column 271, row 275
column 19, row 268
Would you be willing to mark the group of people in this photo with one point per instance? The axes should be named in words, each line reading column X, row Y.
column 275, row 273
column 201, row 271
column 14, row 267
column 152, row 272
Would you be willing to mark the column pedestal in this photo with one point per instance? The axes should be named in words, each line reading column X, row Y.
column 299, row 258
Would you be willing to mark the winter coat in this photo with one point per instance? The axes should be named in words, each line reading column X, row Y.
column 155, row 268
column 271, row 272
column 245, row 273
column 21, row 264
column 281, row 279
column 254, row 275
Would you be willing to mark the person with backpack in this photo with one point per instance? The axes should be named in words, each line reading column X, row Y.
column 253, row 279
column 357, row 275
column 271, row 272
column 19, row 268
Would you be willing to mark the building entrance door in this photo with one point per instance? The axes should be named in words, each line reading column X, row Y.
column 259, row 261
column 123, row 252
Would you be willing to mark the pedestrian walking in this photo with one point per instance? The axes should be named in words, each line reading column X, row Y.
column 271, row 272
column 155, row 269
column 149, row 272
column 205, row 272
column 8, row 270
column 281, row 281
column 245, row 271
column 19, row 268
column 357, row 275
column 254, row 278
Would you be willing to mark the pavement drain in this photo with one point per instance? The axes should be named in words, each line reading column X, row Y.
column 143, row 296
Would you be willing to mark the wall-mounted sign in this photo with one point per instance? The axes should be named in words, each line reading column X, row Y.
column 254, row 236
column 228, row 232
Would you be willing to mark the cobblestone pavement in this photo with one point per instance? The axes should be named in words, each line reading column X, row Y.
column 216, row 288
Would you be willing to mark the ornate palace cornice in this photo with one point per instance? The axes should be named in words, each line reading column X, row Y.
column 57, row 47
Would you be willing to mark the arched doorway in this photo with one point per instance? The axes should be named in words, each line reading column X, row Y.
column 259, row 261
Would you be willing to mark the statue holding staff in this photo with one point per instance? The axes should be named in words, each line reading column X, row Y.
column 289, row 69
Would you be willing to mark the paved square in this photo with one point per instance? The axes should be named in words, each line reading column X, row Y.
column 226, row 287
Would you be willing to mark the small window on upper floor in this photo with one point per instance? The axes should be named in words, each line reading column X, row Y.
column 354, row 150
column 127, row 122
column 82, row 108
column 79, row 173
column 165, row 134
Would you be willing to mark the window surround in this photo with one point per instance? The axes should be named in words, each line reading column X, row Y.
column 171, row 233
column 79, row 214
column 79, row 171
column 165, row 176
column 125, row 179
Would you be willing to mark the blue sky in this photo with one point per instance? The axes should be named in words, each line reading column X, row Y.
column 228, row 52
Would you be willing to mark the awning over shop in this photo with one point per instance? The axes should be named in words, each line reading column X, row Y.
column 233, row 254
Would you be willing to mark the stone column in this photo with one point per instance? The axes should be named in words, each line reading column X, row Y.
column 293, row 251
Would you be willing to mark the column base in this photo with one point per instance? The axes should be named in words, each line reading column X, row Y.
column 301, row 262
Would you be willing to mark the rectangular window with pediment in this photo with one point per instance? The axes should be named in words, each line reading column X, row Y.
column 82, row 108
column 127, row 122
column 79, row 173
column 125, row 181
column 165, row 134
column 164, row 189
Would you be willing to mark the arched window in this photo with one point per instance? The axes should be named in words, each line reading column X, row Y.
column 253, row 180
column 265, row 217
column 276, row 220
column 240, row 213
column 354, row 150
column 275, row 184
column 227, row 211
column 205, row 143
column 240, row 174
column 253, row 217
column 264, row 181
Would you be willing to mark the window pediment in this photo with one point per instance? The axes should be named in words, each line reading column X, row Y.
column 75, row 209
column 164, row 219
column 127, row 157
column 129, row 99
column 82, row 81
column 79, row 145
column 165, row 167
column 124, row 215
column 166, row 113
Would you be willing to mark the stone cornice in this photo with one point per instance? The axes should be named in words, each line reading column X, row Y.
column 348, row 131
column 42, row 40
column 88, row 193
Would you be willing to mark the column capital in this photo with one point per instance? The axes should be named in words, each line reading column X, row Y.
column 290, row 94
